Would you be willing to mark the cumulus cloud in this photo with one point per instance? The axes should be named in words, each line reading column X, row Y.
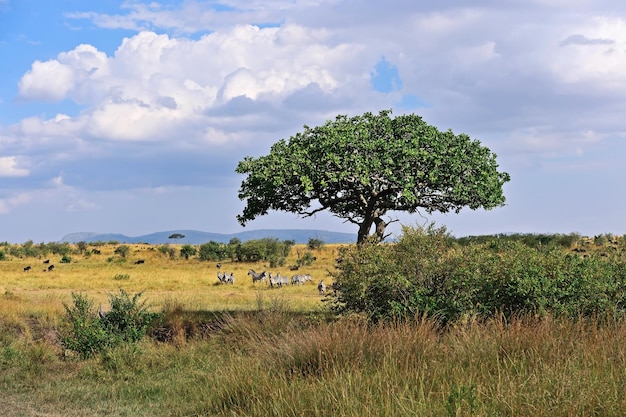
column 201, row 84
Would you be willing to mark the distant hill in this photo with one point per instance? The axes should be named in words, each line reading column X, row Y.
column 195, row 237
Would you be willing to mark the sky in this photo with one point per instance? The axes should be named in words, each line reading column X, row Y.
column 130, row 116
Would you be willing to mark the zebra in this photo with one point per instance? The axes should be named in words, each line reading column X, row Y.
column 321, row 287
column 274, row 281
column 283, row 280
column 229, row 279
column 300, row 279
column 222, row 277
column 257, row 276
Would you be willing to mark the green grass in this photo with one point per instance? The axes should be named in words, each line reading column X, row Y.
column 275, row 363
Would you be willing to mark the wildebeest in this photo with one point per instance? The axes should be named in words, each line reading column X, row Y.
column 50, row 268
column 257, row 276
column 27, row 268
column 218, row 266
column 139, row 261
column 47, row 261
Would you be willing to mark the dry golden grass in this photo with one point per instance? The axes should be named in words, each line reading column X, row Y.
column 191, row 283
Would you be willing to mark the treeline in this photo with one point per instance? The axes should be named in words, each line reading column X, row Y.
column 428, row 272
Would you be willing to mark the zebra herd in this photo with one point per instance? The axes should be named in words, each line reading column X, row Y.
column 275, row 280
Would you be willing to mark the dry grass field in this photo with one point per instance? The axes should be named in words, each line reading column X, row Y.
column 191, row 283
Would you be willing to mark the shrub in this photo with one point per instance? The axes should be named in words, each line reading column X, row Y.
column 87, row 333
column 187, row 250
column 315, row 243
column 66, row 259
column 120, row 277
column 427, row 272
column 122, row 250
column 128, row 320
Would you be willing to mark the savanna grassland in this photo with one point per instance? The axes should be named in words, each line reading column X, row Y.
column 249, row 350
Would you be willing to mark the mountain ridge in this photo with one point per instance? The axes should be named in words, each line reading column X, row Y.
column 196, row 237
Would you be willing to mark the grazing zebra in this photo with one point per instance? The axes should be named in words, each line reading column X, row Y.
column 229, row 279
column 321, row 287
column 257, row 276
column 274, row 281
column 300, row 279
column 278, row 280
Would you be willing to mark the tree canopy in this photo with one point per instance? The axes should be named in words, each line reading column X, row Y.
column 363, row 167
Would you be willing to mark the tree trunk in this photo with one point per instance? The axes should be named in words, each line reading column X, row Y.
column 366, row 226
column 364, row 231
column 381, row 225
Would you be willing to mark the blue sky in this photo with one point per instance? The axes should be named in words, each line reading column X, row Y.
column 130, row 117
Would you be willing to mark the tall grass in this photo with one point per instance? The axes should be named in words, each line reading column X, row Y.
column 272, row 363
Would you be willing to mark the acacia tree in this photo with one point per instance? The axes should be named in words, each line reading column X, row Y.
column 363, row 167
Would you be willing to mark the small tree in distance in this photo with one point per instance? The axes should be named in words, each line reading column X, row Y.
column 363, row 167
column 176, row 236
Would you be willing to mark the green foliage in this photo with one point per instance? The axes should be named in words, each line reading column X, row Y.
column 535, row 240
column 88, row 334
column 2, row 255
column 121, row 277
column 266, row 249
column 128, row 320
column 122, row 250
column 307, row 259
column 212, row 251
column 66, row 259
column 187, row 250
column 315, row 243
column 85, row 333
column 362, row 167
column 428, row 272
column 167, row 250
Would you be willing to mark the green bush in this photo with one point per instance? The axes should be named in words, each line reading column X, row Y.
column 128, row 320
column 315, row 243
column 87, row 333
column 428, row 272
column 66, row 259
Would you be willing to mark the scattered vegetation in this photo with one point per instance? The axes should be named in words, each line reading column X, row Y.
column 522, row 325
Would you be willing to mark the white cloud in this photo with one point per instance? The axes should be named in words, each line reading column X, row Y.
column 9, row 167
column 594, row 53
column 48, row 81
